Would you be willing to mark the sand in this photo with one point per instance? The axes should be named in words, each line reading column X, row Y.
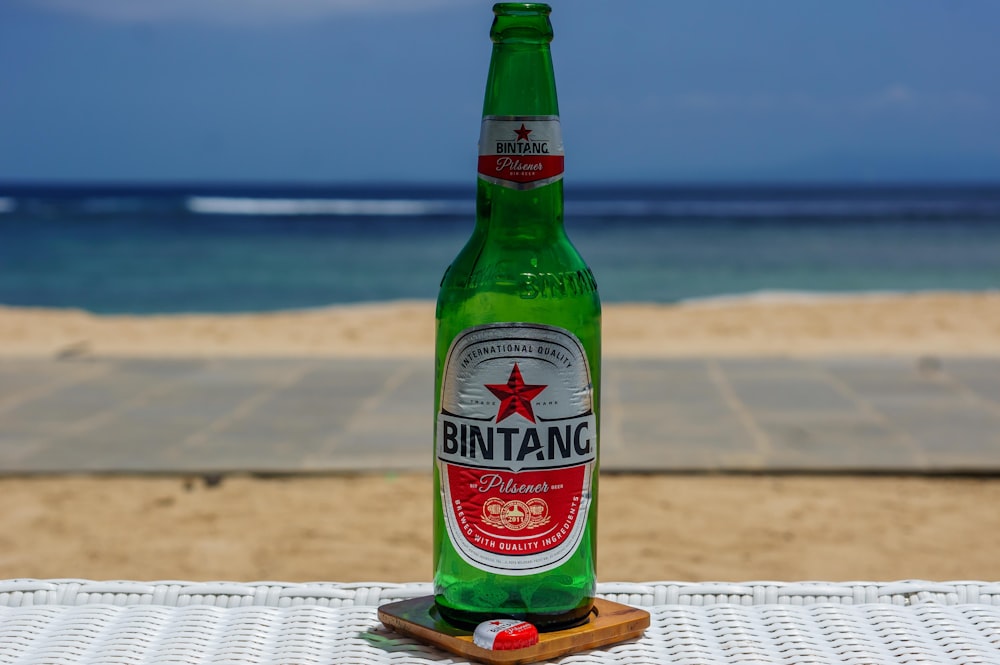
column 378, row 528
column 927, row 323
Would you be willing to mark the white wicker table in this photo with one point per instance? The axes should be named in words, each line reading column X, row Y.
column 79, row 621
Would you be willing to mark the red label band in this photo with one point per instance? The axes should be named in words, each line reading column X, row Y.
column 516, row 514
column 521, row 169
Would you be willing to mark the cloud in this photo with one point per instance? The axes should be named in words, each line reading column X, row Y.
column 232, row 12
column 894, row 97
column 753, row 101
column 899, row 96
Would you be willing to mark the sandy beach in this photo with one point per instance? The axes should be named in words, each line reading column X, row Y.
column 928, row 323
column 378, row 527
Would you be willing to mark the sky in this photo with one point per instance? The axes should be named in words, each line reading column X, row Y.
column 360, row 91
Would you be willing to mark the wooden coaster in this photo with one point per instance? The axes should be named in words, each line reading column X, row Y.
column 609, row 623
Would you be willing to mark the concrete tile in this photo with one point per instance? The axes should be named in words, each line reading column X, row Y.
column 315, row 414
column 952, row 435
column 837, row 443
column 756, row 367
column 982, row 377
column 896, row 385
column 790, row 393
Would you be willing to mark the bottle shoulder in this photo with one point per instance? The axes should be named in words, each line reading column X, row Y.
column 527, row 268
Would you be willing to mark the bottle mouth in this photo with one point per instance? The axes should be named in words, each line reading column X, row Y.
column 522, row 9
column 521, row 22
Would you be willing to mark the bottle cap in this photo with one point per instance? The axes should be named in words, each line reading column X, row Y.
column 505, row 634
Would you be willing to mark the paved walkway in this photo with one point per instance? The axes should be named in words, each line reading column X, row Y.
column 321, row 415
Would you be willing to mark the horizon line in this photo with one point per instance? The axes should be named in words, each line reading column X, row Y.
column 665, row 184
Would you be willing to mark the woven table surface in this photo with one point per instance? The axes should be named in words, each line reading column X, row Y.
column 80, row 621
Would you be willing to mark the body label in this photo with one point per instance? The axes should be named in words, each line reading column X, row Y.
column 521, row 152
column 516, row 446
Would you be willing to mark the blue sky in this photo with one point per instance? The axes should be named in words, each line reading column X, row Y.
column 332, row 91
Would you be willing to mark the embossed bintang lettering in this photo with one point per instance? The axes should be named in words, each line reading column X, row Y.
column 534, row 285
column 551, row 284
column 486, row 275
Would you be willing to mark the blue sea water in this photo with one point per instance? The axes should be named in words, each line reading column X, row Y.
column 164, row 249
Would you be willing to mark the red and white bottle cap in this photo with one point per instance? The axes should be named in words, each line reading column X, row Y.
column 505, row 634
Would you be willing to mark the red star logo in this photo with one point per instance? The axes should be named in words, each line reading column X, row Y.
column 515, row 396
column 522, row 134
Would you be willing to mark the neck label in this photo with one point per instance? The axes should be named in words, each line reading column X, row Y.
column 521, row 152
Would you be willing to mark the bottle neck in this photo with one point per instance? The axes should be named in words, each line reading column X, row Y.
column 534, row 214
column 520, row 81
column 520, row 192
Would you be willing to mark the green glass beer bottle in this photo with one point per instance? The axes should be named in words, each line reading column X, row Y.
column 518, row 356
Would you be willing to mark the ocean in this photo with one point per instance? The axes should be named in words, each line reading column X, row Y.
column 224, row 248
